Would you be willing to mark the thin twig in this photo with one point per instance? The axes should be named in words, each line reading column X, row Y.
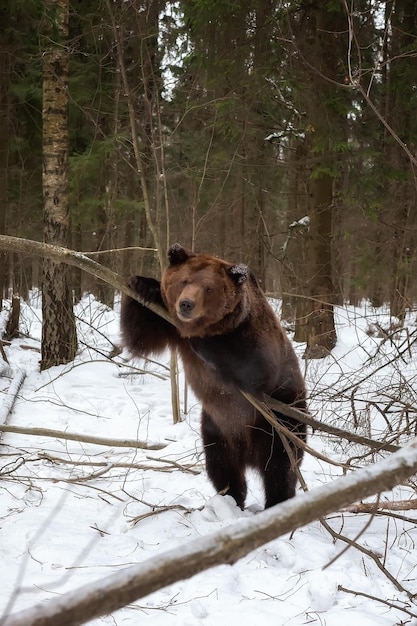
column 392, row 605
column 170, row 465
column 369, row 554
column 156, row 509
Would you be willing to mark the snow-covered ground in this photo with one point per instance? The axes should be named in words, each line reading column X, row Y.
column 74, row 512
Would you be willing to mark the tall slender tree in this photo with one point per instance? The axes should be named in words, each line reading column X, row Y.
column 319, row 31
column 401, row 115
column 4, row 150
column 59, row 340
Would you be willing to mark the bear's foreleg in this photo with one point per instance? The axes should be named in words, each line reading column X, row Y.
column 143, row 331
column 224, row 462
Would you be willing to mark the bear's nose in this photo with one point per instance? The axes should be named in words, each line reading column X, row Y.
column 186, row 306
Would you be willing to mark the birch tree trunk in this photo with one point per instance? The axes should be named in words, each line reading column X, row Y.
column 4, row 151
column 59, row 339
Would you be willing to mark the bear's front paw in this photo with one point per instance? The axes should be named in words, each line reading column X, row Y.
column 148, row 289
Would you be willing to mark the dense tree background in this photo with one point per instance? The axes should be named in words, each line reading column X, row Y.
column 282, row 134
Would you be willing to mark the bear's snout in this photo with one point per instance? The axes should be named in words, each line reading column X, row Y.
column 185, row 307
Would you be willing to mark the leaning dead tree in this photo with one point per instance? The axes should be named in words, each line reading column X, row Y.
column 227, row 546
column 83, row 262
column 76, row 259
column 223, row 547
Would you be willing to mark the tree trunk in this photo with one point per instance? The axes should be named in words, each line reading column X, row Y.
column 321, row 337
column 320, row 40
column 4, row 149
column 401, row 116
column 59, row 339
column 295, row 306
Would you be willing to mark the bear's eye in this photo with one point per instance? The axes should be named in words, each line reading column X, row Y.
column 209, row 290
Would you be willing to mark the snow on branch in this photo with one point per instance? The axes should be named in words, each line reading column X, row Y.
column 223, row 547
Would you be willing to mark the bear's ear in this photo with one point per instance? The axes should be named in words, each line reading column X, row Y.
column 239, row 273
column 177, row 254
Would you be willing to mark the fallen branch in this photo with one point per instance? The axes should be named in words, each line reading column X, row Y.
column 100, row 441
column 270, row 417
column 157, row 509
column 10, row 398
column 305, row 418
column 168, row 465
column 2, row 352
column 373, row 507
column 225, row 546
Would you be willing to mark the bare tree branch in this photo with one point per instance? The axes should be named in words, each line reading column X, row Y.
column 225, row 546
column 381, row 505
column 291, row 411
column 100, row 441
column 77, row 259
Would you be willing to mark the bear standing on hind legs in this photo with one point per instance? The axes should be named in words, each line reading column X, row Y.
column 229, row 338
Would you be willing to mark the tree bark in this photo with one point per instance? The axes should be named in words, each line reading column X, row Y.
column 59, row 339
column 319, row 35
column 4, row 153
column 401, row 115
column 321, row 337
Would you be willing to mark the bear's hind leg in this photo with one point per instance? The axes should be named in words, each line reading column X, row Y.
column 224, row 463
column 275, row 467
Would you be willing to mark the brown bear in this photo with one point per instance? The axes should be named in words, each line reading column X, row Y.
column 229, row 339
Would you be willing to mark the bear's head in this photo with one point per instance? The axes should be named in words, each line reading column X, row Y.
column 204, row 295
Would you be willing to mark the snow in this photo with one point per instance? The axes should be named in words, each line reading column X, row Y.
column 303, row 222
column 74, row 513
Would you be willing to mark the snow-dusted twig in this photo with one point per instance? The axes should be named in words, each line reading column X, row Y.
column 369, row 553
column 225, row 546
column 156, row 509
column 390, row 603
column 164, row 465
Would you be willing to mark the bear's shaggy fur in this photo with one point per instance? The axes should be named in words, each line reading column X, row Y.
column 229, row 338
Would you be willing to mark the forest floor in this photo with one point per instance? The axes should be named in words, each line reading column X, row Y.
column 74, row 512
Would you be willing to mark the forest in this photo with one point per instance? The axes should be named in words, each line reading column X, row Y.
column 277, row 134
column 280, row 134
